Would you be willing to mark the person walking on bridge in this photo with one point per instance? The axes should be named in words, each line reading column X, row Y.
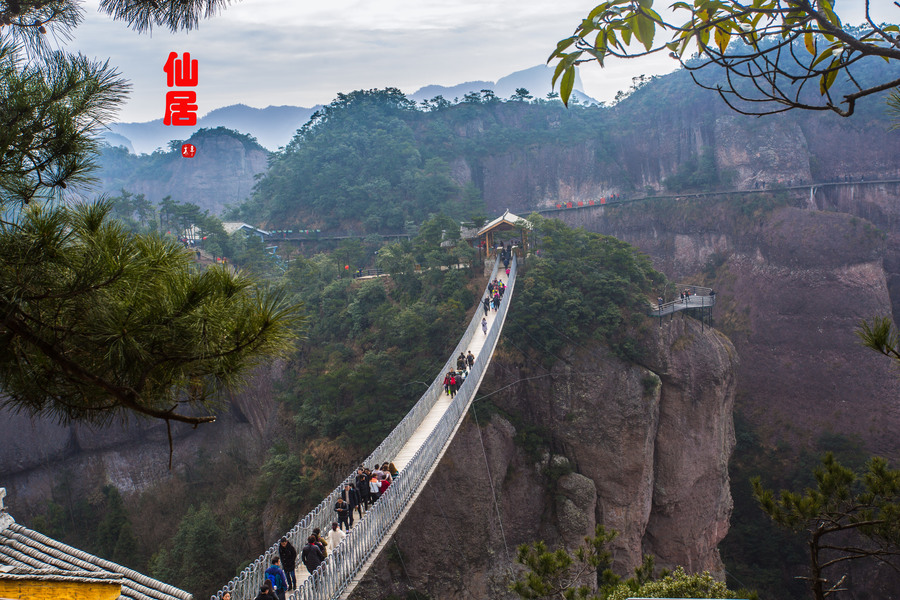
column 351, row 496
column 362, row 489
column 311, row 555
column 484, row 325
column 276, row 575
column 487, row 305
column 343, row 513
column 470, row 359
column 288, row 555
column 335, row 536
column 460, row 362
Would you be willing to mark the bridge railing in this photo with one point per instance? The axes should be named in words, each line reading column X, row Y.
column 345, row 561
column 246, row 585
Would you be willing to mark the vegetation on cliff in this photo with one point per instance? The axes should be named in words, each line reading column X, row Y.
column 373, row 160
column 586, row 574
column 581, row 286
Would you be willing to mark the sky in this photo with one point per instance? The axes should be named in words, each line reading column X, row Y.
column 302, row 53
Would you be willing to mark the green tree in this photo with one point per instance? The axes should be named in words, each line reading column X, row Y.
column 195, row 560
column 777, row 54
column 115, row 538
column 99, row 323
column 846, row 517
column 581, row 286
column 585, row 574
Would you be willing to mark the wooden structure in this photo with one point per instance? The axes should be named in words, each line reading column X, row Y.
column 506, row 229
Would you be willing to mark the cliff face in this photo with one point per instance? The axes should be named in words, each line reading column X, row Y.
column 793, row 284
column 642, row 449
column 221, row 173
column 38, row 454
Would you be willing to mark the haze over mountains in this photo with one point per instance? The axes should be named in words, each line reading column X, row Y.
column 274, row 126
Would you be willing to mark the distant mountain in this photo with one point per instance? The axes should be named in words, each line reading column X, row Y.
column 222, row 172
column 272, row 126
column 536, row 80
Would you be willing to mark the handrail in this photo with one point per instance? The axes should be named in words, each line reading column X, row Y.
column 343, row 562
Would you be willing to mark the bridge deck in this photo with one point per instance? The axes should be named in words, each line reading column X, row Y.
column 434, row 416
column 415, row 446
column 429, row 423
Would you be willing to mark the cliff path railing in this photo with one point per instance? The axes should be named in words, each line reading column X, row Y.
column 346, row 564
column 700, row 297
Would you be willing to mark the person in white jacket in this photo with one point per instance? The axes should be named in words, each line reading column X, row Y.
column 335, row 536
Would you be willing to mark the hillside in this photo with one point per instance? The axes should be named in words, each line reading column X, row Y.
column 221, row 173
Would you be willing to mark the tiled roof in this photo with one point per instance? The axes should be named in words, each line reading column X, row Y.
column 507, row 218
column 25, row 553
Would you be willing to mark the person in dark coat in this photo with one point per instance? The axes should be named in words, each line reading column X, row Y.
column 460, row 362
column 351, row 496
column 362, row 488
column 266, row 593
column 311, row 556
column 288, row 555
column 342, row 509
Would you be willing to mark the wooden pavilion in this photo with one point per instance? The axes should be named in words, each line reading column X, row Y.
column 507, row 229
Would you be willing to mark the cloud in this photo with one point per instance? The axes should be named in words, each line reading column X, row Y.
column 272, row 52
column 264, row 52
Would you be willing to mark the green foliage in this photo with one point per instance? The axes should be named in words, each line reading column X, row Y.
column 697, row 173
column 50, row 109
column 847, row 516
column 99, row 323
column 678, row 584
column 757, row 552
column 373, row 161
column 582, row 286
column 115, row 538
column 370, row 342
column 195, row 558
column 769, row 51
column 585, row 574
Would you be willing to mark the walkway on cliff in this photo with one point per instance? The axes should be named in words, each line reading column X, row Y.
column 415, row 447
column 695, row 300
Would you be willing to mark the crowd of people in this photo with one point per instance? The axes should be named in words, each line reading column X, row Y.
column 496, row 289
column 454, row 378
column 368, row 486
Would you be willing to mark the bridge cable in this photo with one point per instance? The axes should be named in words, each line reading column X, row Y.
column 452, row 531
column 405, row 572
column 493, row 491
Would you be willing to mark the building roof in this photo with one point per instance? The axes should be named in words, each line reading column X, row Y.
column 233, row 226
column 27, row 554
column 508, row 219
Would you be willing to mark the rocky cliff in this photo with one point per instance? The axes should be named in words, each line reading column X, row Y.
column 641, row 448
column 222, row 172
column 38, row 454
column 794, row 283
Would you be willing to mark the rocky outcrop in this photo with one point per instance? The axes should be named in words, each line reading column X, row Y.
column 223, row 171
column 39, row 454
column 794, row 284
column 641, row 448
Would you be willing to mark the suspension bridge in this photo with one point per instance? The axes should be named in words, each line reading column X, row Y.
column 415, row 446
